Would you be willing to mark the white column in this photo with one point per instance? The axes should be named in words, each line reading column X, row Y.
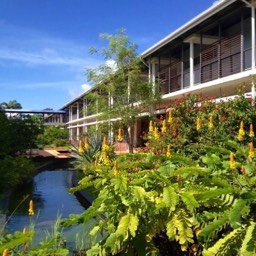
column 253, row 37
column 77, row 133
column 77, row 110
column 253, row 90
column 71, row 135
column 84, row 107
column 70, row 113
column 191, row 63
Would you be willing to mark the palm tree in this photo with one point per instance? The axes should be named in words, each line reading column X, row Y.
column 12, row 104
column 3, row 105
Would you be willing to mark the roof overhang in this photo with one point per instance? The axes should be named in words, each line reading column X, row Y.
column 189, row 25
column 22, row 111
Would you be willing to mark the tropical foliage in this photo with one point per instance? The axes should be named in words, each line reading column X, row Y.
column 52, row 136
column 16, row 136
column 12, row 104
column 192, row 191
column 119, row 79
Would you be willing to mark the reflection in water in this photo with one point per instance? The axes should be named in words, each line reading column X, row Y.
column 51, row 199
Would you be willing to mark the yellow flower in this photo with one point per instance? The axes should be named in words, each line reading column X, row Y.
column 251, row 133
column 106, row 158
column 86, row 143
column 251, row 150
column 24, row 231
column 198, row 124
column 164, row 126
column 120, row 136
column 156, row 134
column 170, row 117
column 115, row 168
column 151, row 128
column 31, row 208
column 243, row 171
column 80, row 149
column 168, row 152
column 241, row 131
column 210, row 125
column 5, row 252
column 232, row 162
column 105, row 144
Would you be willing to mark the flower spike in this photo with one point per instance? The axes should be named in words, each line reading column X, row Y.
column 31, row 208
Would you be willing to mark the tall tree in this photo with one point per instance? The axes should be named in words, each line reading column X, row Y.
column 12, row 104
column 121, row 92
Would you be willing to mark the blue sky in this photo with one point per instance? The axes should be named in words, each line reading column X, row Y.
column 44, row 43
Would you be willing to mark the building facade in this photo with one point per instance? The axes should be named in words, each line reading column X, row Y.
column 212, row 55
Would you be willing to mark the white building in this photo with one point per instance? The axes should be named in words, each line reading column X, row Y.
column 212, row 54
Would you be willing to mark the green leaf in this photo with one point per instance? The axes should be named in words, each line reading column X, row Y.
column 249, row 195
column 170, row 197
column 189, row 200
column 16, row 239
column 190, row 171
column 170, row 228
column 139, row 194
column 167, row 169
column 179, row 228
column 94, row 250
column 248, row 247
column 239, row 209
column 128, row 224
column 213, row 227
column 120, row 183
column 113, row 242
column 208, row 195
column 94, row 231
column 227, row 245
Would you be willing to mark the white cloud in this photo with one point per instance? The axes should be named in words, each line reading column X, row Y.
column 25, row 46
column 75, row 91
column 217, row 1
column 41, row 58
column 86, row 87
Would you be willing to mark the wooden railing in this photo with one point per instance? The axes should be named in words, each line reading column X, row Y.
column 220, row 59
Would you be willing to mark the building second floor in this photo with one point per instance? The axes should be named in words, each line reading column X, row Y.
column 212, row 54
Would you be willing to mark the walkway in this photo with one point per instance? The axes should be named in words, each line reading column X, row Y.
column 58, row 152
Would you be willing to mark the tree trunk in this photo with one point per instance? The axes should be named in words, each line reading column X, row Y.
column 129, row 133
column 131, row 137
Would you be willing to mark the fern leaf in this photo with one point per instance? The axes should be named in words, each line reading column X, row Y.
column 48, row 251
column 94, row 231
column 170, row 197
column 82, row 184
column 94, row 250
column 166, row 170
column 113, row 243
column 190, row 171
column 208, row 195
column 249, row 195
column 213, row 227
column 120, row 183
column 248, row 247
column 128, row 224
column 240, row 208
column 139, row 194
column 170, row 227
column 189, row 200
column 180, row 228
column 227, row 245
column 216, row 181
column 182, row 160
column 91, row 212
column 16, row 239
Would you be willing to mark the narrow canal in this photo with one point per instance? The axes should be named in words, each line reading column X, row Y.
column 49, row 192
